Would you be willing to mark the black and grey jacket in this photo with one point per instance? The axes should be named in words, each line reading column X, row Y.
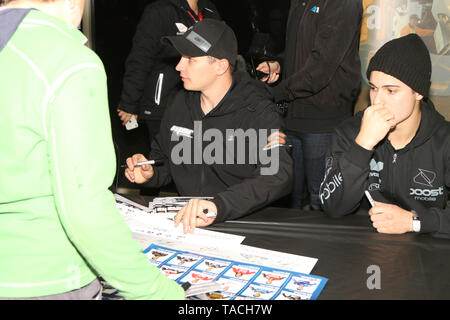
column 241, row 177
column 416, row 177
column 321, row 69
column 150, row 74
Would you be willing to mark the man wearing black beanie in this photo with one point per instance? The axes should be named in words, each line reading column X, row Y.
column 396, row 151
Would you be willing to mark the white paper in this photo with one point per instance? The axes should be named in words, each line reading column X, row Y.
column 157, row 229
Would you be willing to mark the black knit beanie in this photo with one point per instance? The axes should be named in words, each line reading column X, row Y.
column 407, row 59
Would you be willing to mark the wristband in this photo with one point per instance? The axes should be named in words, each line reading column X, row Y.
column 416, row 221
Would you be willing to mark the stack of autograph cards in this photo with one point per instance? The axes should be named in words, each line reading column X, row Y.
column 238, row 281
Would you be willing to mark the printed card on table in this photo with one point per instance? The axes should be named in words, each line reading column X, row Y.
column 238, row 281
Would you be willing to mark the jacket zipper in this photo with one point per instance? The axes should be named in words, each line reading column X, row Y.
column 394, row 162
column 158, row 89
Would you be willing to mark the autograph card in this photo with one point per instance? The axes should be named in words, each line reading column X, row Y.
column 237, row 280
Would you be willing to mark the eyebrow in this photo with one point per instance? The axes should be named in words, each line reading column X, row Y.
column 385, row 86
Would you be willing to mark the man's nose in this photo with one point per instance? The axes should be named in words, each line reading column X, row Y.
column 180, row 64
column 378, row 97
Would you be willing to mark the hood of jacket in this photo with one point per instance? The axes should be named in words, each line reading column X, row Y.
column 245, row 92
column 431, row 122
column 10, row 19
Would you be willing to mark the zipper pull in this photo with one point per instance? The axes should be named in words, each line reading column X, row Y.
column 394, row 160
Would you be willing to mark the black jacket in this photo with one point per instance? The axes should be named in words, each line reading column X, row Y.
column 239, row 187
column 150, row 74
column 414, row 178
column 321, row 73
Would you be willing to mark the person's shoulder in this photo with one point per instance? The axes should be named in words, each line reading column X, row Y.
column 434, row 120
column 253, row 91
column 260, row 107
column 444, row 131
column 68, row 50
column 350, row 126
column 163, row 5
column 160, row 8
column 178, row 99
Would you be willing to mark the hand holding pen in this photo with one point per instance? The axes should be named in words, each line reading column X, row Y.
column 139, row 169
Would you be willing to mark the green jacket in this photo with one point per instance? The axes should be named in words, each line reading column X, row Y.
column 59, row 225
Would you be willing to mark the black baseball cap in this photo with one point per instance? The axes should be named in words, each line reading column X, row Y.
column 208, row 37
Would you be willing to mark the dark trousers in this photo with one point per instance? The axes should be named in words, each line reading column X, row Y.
column 308, row 151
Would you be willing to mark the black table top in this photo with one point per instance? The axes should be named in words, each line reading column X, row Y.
column 359, row 262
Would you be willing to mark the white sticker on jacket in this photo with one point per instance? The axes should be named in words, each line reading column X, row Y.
column 181, row 27
column 180, row 131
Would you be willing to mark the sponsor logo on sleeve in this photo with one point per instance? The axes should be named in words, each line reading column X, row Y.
column 375, row 168
column 331, row 186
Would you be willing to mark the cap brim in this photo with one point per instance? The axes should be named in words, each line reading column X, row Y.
column 184, row 47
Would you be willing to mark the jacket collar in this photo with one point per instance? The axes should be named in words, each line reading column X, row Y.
column 202, row 4
column 243, row 93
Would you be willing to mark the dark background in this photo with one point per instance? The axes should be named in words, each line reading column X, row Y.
column 114, row 27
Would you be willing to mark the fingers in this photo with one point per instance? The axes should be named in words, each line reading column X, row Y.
column 132, row 172
column 191, row 219
column 263, row 67
column 186, row 215
column 179, row 216
column 389, row 218
column 273, row 77
column 129, row 171
column 381, row 112
column 376, row 123
column 124, row 116
column 129, row 175
column 381, row 221
column 192, row 215
column 272, row 68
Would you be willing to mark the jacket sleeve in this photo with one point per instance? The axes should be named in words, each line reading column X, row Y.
column 270, row 179
column 146, row 44
column 162, row 175
column 82, row 159
column 437, row 220
column 346, row 176
column 339, row 21
column 159, row 151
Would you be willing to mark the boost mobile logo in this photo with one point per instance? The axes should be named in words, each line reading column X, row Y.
column 426, row 193
column 425, row 177
column 330, row 187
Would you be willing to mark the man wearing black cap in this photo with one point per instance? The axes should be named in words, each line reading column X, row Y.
column 397, row 149
column 220, row 107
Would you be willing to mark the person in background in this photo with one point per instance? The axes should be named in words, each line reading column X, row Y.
column 320, row 80
column 413, row 27
column 60, row 228
column 150, row 76
column 397, row 149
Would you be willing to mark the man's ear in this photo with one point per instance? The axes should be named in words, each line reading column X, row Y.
column 418, row 96
column 222, row 66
